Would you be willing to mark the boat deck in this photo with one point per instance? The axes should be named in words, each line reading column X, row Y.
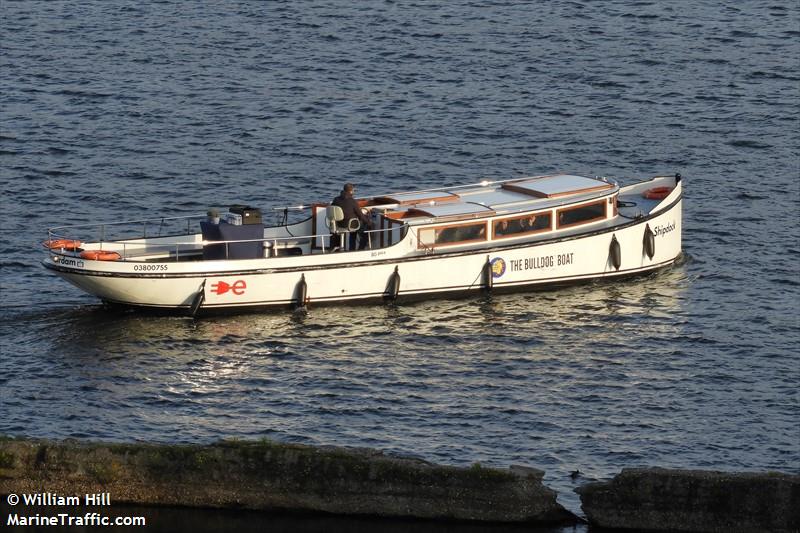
column 460, row 218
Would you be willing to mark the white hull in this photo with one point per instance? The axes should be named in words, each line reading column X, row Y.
column 371, row 274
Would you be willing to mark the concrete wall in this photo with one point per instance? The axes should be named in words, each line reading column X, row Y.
column 270, row 476
column 689, row 500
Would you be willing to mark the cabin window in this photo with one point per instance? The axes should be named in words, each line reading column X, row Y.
column 448, row 235
column 510, row 227
column 581, row 214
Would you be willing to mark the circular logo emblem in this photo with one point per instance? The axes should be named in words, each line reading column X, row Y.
column 498, row 267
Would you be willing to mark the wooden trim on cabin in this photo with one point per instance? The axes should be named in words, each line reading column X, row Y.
column 410, row 213
column 417, row 213
column 531, row 178
column 394, row 215
column 386, row 200
column 495, row 223
column 466, row 216
column 422, row 245
column 602, row 202
column 522, row 190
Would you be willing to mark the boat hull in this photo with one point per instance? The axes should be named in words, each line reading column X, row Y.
column 606, row 253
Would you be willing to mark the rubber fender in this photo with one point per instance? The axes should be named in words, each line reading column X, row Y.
column 614, row 253
column 393, row 287
column 301, row 292
column 488, row 278
column 198, row 300
column 649, row 242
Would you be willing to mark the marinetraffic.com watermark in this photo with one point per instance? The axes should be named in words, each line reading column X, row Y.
column 53, row 510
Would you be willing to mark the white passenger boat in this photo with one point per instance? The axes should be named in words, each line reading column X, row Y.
column 518, row 234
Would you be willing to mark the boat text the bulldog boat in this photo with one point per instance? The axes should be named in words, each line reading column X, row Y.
column 515, row 234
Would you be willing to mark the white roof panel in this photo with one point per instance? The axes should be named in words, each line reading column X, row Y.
column 418, row 197
column 560, row 185
column 455, row 209
column 495, row 198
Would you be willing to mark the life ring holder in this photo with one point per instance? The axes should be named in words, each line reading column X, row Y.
column 100, row 255
column 657, row 193
column 62, row 244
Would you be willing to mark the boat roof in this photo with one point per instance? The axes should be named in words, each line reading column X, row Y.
column 491, row 198
column 455, row 208
column 416, row 197
column 554, row 186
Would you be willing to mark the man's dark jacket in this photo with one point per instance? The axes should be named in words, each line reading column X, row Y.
column 349, row 208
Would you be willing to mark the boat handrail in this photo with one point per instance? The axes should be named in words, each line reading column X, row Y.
column 123, row 222
column 54, row 233
column 195, row 245
column 290, row 208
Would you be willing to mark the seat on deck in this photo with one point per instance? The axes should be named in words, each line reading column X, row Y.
column 334, row 215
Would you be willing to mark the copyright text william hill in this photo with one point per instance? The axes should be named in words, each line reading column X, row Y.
column 44, row 516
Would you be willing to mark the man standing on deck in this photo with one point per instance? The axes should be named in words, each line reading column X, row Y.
column 351, row 210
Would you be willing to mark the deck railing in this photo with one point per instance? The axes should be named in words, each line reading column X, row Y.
column 137, row 247
column 102, row 227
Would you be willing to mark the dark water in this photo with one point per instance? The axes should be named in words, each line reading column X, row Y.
column 119, row 110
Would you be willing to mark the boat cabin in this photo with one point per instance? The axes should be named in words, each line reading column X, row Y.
column 512, row 209
column 467, row 216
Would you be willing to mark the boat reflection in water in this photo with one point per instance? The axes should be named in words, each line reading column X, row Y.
column 559, row 379
column 592, row 314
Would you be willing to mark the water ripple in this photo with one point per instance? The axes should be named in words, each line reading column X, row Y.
column 120, row 112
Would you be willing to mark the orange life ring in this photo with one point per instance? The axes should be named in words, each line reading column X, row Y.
column 66, row 244
column 100, row 255
column 657, row 193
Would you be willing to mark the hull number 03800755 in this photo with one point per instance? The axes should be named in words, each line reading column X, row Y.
column 150, row 268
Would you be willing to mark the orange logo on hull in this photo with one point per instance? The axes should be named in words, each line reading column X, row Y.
column 237, row 288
